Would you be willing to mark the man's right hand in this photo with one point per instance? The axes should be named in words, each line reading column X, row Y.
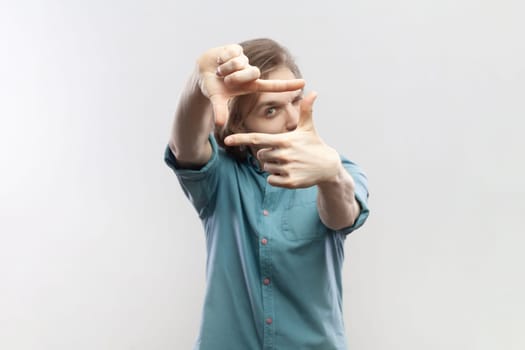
column 224, row 72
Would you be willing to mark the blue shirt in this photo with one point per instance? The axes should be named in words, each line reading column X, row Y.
column 273, row 268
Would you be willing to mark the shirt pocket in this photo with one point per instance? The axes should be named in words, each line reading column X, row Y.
column 301, row 221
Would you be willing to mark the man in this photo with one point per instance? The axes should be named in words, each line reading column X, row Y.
column 276, row 201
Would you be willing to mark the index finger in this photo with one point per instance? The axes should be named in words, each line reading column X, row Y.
column 254, row 138
column 276, row 85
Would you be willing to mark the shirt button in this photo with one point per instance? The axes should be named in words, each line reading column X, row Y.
column 266, row 281
column 269, row 320
column 265, row 212
column 264, row 241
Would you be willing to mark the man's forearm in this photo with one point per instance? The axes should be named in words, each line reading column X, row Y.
column 192, row 125
column 336, row 201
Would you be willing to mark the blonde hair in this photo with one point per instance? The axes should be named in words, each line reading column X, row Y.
column 267, row 55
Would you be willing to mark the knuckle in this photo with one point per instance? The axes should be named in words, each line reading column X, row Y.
column 253, row 72
column 237, row 48
column 256, row 71
column 234, row 50
column 237, row 63
column 230, row 80
column 284, row 157
column 285, row 143
column 234, row 79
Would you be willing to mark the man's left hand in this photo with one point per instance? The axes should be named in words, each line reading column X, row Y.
column 295, row 159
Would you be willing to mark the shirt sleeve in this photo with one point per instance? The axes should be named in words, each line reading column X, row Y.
column 199, row 186
column 361, row 194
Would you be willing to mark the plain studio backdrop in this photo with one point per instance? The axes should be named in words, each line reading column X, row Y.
column 99, row 248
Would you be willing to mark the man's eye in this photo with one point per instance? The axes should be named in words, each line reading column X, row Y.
column 270, row 112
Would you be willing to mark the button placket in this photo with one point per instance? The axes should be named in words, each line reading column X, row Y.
column 266, row 266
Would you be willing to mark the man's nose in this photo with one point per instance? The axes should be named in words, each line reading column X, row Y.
column 292, row 117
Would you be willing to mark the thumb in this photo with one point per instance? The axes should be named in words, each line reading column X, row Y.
column 220, row 109
column 305, row 117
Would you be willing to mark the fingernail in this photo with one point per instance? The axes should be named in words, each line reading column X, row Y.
column 218, row 72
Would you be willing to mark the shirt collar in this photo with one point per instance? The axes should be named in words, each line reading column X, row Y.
column 254, row 162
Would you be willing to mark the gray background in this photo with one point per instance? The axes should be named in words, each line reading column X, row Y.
column 99, row 249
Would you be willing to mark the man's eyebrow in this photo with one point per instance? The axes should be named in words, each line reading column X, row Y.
column 260, row 105
column 268, row 103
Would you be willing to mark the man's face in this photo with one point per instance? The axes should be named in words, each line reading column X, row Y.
column 275, row 112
